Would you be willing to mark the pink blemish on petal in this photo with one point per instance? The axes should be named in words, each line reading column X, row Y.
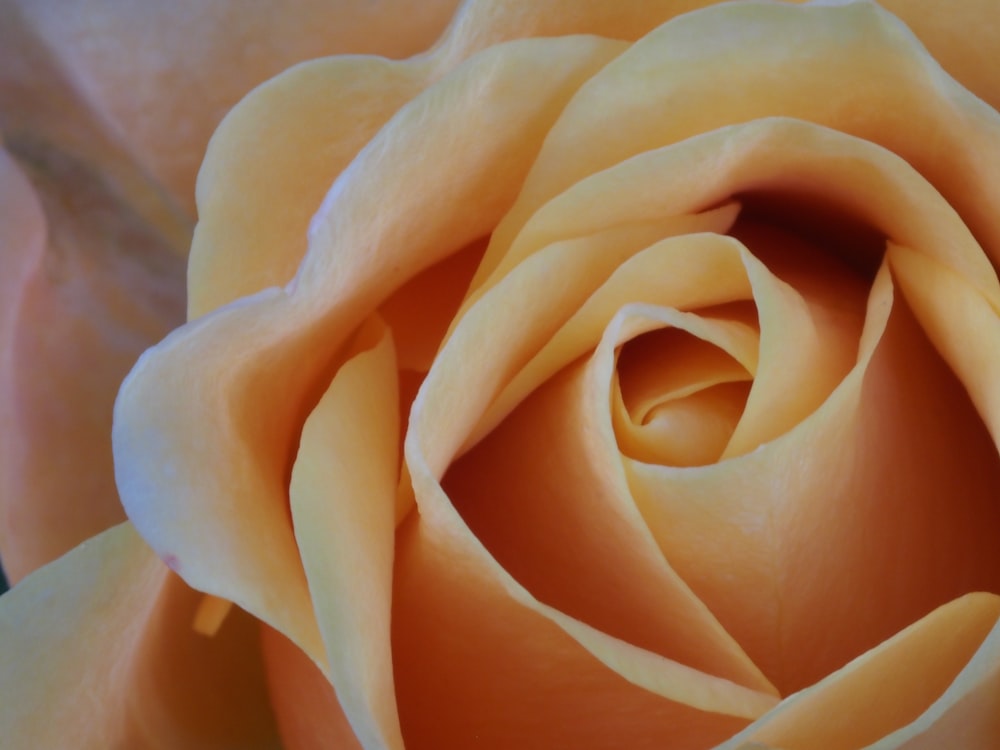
column 171, row 561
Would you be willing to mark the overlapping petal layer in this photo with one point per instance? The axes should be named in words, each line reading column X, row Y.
column 291, row 342
column 99, row 652
column 500, row 605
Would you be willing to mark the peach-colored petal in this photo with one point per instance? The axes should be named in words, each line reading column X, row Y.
column 962, row 35
column 305, row 705
column 43, row 114
column 273, row 159
column 864, row 517
column 161, row 77
column 276, row 154
column 477, row 668
column 554, row 326
column 966, row 713
column 206, row 426
column 343, row 501
column 680, row 382
column 771, row 156
column 100, row 286
column 961, row 321
column 546, row 497
column 730, row 63
column 99, row 652
column 808, row 339
column 895, row 685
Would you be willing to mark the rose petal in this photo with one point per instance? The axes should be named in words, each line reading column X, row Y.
column 965, row 714
column 808, row 338
column 101, row 285
column 507, row 673
column 273, row 159
column 676, row 399
column 161, row 78
column 954, row 312
column 857, row 522
column 546, row 497
column 722, row 65
column 961, row 36
column 778, row 156
column 305, row 705
column 889, row 686
column 276, row 154
column 98, row 647
column 343, row 501
column 209, row 419
column 552, row 327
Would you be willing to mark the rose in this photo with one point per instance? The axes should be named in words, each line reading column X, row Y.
column 105, row 109
column 436, row 557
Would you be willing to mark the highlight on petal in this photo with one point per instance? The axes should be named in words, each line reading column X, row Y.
column 92, row 285
column 98, row 647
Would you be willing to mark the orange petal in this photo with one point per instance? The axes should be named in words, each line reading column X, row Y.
column 961, row 35
column 99, row 286
column 207, row 424
column 864, row 517
column 305, row 705
column 99, row 648
column 904, row 684
column 680, row 81
column 808, row 336
column 544, row 493
column 508, row 675
column 343, row 501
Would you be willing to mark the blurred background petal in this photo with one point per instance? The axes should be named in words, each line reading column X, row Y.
column 106, row 107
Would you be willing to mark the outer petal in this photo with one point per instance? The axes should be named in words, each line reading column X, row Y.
column 682, row 80
column 99, row 653
column 962, row 35
column 223, row 441
column 161, row 77
column 275, row 156
column 91, row 286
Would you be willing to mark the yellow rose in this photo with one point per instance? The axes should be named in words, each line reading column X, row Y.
column 633, row 385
